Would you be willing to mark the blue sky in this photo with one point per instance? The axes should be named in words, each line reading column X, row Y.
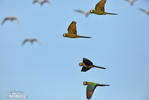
column 50, row 71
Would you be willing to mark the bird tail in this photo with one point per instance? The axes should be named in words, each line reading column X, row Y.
column 111, row 13
column 83, row 37
column 103, row 85
column 99, row 67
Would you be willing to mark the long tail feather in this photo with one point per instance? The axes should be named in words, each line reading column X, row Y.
column 99, row 67
column 103, row 85
column 111, row 13
column 83, row 37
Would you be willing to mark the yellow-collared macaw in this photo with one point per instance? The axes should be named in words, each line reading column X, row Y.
column 87, row 64
column 72, row 31
column 100, row 9
column 91, row 86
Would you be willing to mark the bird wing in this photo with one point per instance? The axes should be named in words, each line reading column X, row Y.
column 16, row 19
column 5, row 19
column 100, row 6
column 80, row 11
column 47, row 1
column 87, row 61
column 26, row 40
column 72, row 28
column 142, row 9
column 35, row 40
column 90, row 90
column 84, row 69
column 35, row 1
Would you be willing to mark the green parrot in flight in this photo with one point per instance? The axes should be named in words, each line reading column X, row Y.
column 72, row 31
column 87, row 64
column 91, row 87
column 100, row 10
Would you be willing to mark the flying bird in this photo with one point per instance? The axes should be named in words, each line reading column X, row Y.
column 91, row 87
column 146, row 11
column 10, row 18
column 131, row 1
column 87, row 64
column 41, row 2
column 82, row 12
column 100, row 9
column 36, row 1
column 31, row 40
column 72, row 31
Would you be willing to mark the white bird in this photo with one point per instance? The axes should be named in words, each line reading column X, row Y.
column 41, row 2
column 31, row 40
column 82, row 12
column 11, row 19
column 146, row 11
column 131, row 1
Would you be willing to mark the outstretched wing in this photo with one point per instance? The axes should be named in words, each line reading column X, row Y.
column 80, row 11
column 72, row 28
column 4, row 20
column 35, row 40
column 87, row 61
column 100, row 6
column 84, row 69
column 142, row 9
column 26, row 40
column 16, row 19
column 90, row 90
column 47, row 1
column 35, row 1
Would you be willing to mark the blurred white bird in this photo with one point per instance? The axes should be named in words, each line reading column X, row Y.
column 82, row 12
column 31, row 40
column 41, row 2
column 146, row 11
column 131, row 1
column 11, row 19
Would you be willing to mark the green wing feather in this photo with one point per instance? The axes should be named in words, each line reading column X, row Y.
column 90, row 90
column 72, row 28
column 100, row 6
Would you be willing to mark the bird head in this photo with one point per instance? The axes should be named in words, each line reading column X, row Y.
column 92, row 11
column 80, row 64
column 65, row 35
column 85, row 83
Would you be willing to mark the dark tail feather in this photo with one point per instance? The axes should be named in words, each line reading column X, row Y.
column 103, row 85
column 99, row 67
column 111, row 13
column 83, row 37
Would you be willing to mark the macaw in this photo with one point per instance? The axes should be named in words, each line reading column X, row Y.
column 87, row 64
column 100, row 10
column 72, row 31
column 91, row 87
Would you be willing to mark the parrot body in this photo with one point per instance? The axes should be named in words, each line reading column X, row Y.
column 87, row 64
column 100, row 10
column 72, row 31
column 91, row 86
